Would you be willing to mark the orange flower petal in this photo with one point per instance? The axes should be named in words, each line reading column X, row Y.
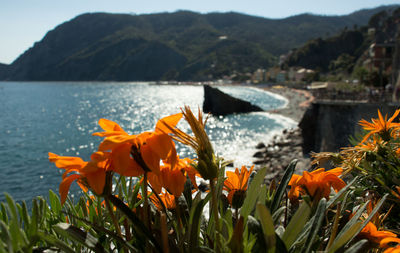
column 97, row 181
column 171, row 120
column 155, row 182
column 161, row 144
column 67, row 162
column 174, row 180
column 110, row 127
column 123, row 163
column 151, row 159
column 386, row 241
column 65, row 185
column 112, row 142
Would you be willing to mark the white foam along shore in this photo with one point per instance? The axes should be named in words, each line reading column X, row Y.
column 274, row 95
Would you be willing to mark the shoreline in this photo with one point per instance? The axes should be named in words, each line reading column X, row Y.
column 298, row 101
column 277, row 153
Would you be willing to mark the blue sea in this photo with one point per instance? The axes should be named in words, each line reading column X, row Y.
column 59, row 117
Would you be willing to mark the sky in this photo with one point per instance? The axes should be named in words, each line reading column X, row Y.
column 24, row 22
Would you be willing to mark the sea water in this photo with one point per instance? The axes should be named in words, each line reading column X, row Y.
column 59, row 117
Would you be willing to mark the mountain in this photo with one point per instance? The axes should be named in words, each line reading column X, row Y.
column 350, row 49
column 169, row 46
column 319, row 53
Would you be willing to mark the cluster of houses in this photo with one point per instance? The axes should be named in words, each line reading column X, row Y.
column 277, row 75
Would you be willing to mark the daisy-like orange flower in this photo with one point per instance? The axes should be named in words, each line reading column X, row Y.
column 374, row 235
column 387, row 243
column 90, row 174
column 173, row 178
column 380, row 126
column 133, row 154
column 316, row 184
column 167, row 199
column 236, row 185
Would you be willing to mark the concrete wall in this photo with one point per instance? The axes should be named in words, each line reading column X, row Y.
column 327, row 126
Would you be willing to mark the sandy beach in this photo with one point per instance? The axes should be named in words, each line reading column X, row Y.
column 298, row 101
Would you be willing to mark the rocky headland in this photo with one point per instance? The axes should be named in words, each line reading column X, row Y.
column 218, row 103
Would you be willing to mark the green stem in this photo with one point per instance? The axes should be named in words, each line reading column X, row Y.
column 113, row 218
column 214, row 206
column 146, row 218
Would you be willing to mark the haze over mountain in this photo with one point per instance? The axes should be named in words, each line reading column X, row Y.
column 169, row 46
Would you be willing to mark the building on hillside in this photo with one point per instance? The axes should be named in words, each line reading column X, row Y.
column 302, row 73
column 297, row 74
column 281, row 77
column 258, row 76
column 271, row 74
column 381, row 55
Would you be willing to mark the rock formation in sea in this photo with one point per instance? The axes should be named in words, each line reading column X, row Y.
column 217, row 102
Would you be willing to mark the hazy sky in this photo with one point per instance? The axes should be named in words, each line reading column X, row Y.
column 24, row 22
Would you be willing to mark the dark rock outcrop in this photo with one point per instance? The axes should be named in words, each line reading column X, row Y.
column 3, row 70
column 218, row 103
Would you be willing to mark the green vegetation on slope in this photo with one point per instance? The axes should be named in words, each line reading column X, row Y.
column 169, row 46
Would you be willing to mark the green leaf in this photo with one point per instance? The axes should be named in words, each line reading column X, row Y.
column 268, row 228
column 4, row 216
column 253, row 193
column 236, row 241
column 25, row 216
column 138, row 224
column 54, row 202
column 332, row 201
column 33, row 228
column 6, row 236
column 194, row 222
column 316, row 225
column 371, row 215
column 100, row 230
column 11, row 207
column 75, row 234
column 14, row 224
column 296, row 224
column 357, row 246
column 345, row 237
column 280, row 245
column 50, row 239
column 351, row 222
column 282, row 186
column 278, row 213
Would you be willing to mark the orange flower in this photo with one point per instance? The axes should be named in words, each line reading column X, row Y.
column 396, row 194
column 207, row 164
column 384, row 243
column 381, row 126
column 316, row 184
column 87, row 174
column 190, row 171
column 371, row 233
column 173, row 179
column 133, row 154
column 236, row 185
column 167, row 199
